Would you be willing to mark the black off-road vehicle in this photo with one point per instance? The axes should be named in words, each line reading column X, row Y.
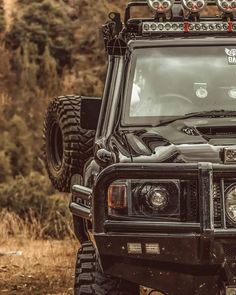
column 153, row 191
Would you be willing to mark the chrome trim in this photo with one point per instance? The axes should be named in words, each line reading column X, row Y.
column 81, row 192
column 80, row 211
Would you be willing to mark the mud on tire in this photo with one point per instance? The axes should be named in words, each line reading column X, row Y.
column 89, row 280
column 67, row 146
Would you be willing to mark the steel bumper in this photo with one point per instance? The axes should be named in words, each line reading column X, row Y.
column 192, row 255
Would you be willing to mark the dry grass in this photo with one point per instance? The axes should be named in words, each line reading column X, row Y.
column 37, row 267
column 14, row 226
column 45, row 267
column 41, row 266
column 10, row 8
column 29, row 265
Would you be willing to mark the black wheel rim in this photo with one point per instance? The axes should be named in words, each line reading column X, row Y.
column 56, row 146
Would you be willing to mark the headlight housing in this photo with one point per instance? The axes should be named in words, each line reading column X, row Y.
column 230, row 203
column 150, row 199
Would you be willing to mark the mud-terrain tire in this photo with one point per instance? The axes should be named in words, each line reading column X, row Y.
column 89, row 280
column 67, row 146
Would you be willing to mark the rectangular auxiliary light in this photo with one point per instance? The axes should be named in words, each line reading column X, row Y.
column 188, row 27
column 230, row 290
column 152, row 248
column 134, row 248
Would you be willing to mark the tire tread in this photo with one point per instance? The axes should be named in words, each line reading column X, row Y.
column 89, row 280
column 78, row 143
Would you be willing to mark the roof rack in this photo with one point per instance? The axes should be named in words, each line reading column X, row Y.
column 177, row 22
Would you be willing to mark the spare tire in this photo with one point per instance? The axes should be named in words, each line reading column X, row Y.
column 67, row 147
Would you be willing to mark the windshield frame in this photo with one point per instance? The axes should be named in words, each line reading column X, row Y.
column 135, row 45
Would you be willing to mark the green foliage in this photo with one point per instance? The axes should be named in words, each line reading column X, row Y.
column 53, row 48
column 2, row 17
column 45, row 24
column 48, row 77
column 5, row 167
column 32, row 200
column 15, row 142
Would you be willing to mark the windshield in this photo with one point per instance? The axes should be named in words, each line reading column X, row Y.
column 174, row 81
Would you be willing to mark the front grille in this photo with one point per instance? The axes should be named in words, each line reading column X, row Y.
column 230, row 256
column 217, row 203
column 230, row 251
column 192, row 202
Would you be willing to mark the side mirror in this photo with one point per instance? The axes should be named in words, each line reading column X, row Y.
column 89, row 112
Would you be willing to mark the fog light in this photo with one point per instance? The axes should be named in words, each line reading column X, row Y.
column 229, row 155
column 230, row 291
column 134, row 248
column 152, row 248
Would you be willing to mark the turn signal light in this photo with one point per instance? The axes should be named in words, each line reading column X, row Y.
column 117, row 195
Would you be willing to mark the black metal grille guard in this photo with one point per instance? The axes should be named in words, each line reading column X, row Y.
column 203, row 172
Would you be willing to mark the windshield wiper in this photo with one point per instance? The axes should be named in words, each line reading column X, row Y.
column 212, row 114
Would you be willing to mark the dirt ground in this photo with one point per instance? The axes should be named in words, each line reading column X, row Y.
column 39, row 267
column 29, row 267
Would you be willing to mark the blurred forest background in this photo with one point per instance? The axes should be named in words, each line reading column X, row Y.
column 47, row 48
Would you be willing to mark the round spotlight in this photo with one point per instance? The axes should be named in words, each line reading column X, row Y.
column 226, row 5
column 230, row 204
column 194, row 5
column 160, row 6
column 157, row 198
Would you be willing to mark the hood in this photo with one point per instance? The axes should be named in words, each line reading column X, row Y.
column 183, row 141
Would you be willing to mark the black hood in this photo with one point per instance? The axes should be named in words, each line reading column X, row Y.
column 183, row 141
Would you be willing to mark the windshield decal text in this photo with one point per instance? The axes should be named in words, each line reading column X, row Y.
column 231, row 54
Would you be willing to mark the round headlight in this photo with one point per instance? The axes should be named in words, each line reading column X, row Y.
column 160, row 5
column 230, row 204
column 157, row 198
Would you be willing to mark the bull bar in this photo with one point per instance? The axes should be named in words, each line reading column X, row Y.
column 203, row 172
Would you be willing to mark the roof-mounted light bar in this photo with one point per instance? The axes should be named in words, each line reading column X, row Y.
column 188, row 27
column 160, row 6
